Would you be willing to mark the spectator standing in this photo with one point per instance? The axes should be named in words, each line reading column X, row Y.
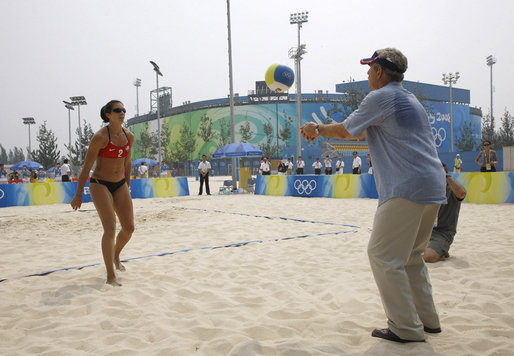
column 3, row 174
column 457, row 164
column 66, row 171
column 339, row 166
column 41, row 175
column 300, row 165
column 370, row 164
column 143, row 170
column 25, row 174
column 488, row 157
column 164, row 170
column 57, row 173
column 204, row 168
column 265, row 168
column 357, row 163
column 290, row 167
column 328, row 165
column 396, row 125
column 317, row 167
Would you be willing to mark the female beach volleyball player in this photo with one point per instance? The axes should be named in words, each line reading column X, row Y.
column 109, row 184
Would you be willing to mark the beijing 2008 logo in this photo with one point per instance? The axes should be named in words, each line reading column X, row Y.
column 305, row 186
column 1, row 194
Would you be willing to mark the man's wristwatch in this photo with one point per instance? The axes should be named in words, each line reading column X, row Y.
column 316, row 129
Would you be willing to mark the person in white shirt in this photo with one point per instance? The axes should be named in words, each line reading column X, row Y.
column 290, row 167
column 328, row 165
column 370, row 164
column 357, row 163
column 300, row 165
column 204, row 168
column 265, row 168
column 66, row 171
column 143, row 170
column 317, row 166
column 339, row 166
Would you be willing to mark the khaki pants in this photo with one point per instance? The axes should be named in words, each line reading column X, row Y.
column 401, row 231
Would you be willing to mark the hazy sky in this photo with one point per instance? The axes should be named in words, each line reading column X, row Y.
column 53, row 49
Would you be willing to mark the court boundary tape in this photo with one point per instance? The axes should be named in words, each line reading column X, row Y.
column 267, row 217
column 236, row 244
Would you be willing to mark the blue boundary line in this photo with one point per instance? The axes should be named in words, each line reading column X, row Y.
column 268, row 217
column 236, row 244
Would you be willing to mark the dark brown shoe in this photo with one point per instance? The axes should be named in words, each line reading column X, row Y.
column 432, row 331
column 387, row 334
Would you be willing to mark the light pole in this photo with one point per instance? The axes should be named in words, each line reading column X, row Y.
column 68, row 106
column 157, row 73
column 298, row 18
column 29, row 121
column 451, row 79
column 77, row 101
column 137, row 84
column 490, row 61
column 231, row 88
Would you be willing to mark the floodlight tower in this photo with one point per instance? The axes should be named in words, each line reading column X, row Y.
column 137, row 84
column 68, row 106
column 157, row 73
column 29, row 121
column 298, row 18
column 451, row 79
column 490, row 61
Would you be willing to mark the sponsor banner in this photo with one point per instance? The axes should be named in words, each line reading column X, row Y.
column 58, row 192
column 482, row 188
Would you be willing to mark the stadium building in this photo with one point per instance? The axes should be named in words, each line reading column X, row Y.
column 268, row 121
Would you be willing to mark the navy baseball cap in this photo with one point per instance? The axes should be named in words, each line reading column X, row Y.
column 384, row 62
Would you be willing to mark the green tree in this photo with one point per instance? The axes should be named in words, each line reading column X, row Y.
column 268, row 148
column 245, row 132
column 466, row 141
column 147, row 143
column 205, row 130
column 165, row 142
column 79, row 148
column 224, row 136
column 15, row 156
column 286, row 132
column 185, row 146
column 506, row 132
column 47, row 153
column 488, row 133
column 3, row 154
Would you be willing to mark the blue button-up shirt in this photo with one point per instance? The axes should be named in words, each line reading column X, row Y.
column 405, row 161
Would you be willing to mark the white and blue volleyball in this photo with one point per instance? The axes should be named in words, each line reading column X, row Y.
column 279, row 78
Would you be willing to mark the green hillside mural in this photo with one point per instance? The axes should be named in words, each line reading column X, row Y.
column 188, row 136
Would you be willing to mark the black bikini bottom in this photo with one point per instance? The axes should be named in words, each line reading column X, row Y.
column 111, row 186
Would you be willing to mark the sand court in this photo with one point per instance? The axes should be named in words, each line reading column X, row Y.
column 293, row 279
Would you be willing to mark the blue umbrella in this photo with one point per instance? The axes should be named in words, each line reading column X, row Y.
column 30, row 165
column 240, row 149
column 148, row 161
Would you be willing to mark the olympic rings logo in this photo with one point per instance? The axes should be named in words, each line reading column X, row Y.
column 287, row 75
column 305, row 186
column 439, row 136
column 1, row 194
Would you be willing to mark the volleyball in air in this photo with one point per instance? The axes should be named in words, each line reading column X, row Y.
column 279, row 78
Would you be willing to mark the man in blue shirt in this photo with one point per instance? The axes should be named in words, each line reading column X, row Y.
column 410, row 185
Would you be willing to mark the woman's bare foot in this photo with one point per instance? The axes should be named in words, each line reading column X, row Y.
column 114, row 282
column 118, row 265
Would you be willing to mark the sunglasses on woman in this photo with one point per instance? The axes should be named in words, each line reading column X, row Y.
column 119, row 110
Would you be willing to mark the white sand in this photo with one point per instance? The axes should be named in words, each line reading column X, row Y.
column 303, row 296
